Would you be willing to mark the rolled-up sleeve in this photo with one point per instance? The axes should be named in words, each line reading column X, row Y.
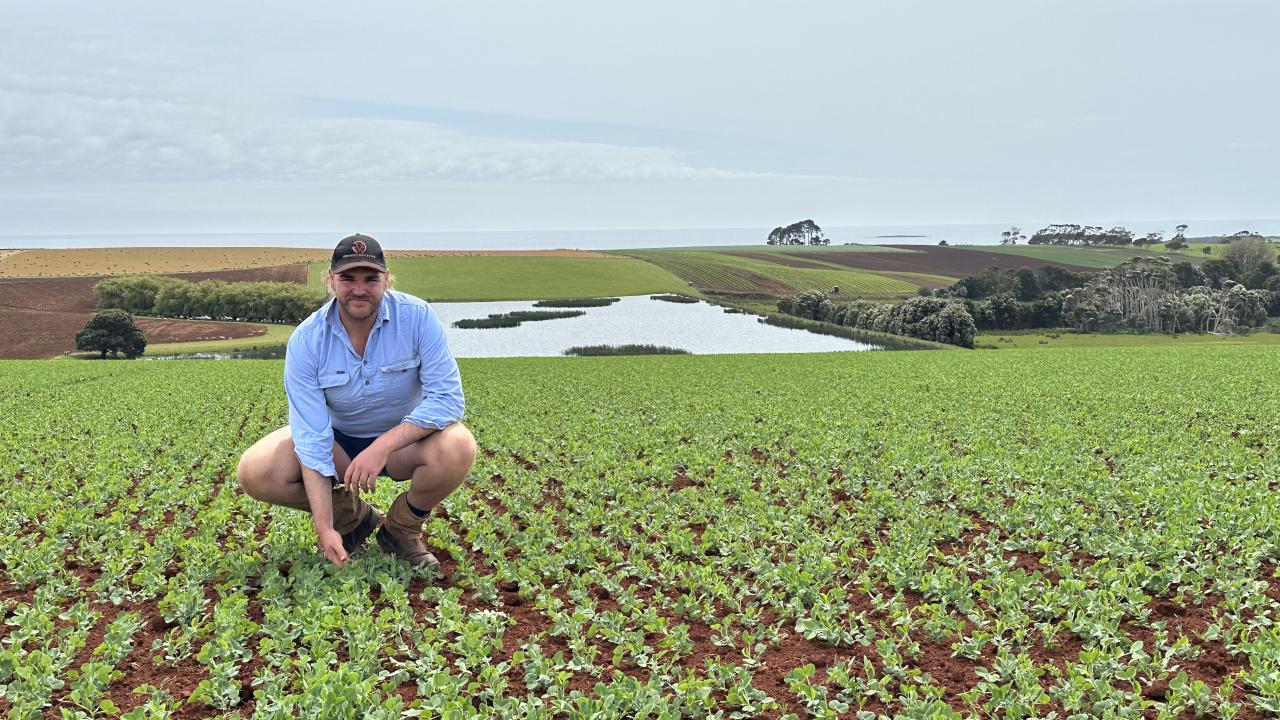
column 309, row 421
column 442, row 401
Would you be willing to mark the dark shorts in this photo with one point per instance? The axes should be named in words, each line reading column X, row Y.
column 354, row 446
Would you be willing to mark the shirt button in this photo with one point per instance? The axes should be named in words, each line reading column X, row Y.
column 366, row 382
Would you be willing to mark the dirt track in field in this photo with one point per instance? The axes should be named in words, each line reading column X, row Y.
column 39, row 317
column 929, row 259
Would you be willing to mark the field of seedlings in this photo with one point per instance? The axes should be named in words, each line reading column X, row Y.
column 1049, row 533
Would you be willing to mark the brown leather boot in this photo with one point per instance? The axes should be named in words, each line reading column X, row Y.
column 401, row 533
column 354, row 519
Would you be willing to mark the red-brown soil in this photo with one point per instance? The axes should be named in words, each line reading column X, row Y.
column 933, row 260
column 39, row 317
column 296, row 273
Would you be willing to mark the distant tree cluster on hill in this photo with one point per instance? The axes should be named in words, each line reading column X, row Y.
column 805, row 232
column 212, row 299
column 1242, row 235
column 1093, row 235
column 943, row 320
column 1069, row 234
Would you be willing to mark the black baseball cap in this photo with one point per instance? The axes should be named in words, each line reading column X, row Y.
column 357, row 251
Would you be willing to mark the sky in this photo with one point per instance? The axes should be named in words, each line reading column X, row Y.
column 284, row 116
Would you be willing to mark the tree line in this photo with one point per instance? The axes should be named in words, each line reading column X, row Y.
column 209, row 299
column 944, row 320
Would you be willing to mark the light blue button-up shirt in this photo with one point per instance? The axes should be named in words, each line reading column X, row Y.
column 407, row 374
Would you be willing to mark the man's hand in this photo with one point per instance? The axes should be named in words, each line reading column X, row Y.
column 362, row 473
column 330, row 543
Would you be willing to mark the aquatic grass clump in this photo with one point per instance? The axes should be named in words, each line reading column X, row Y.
column 512, row 319
column 674, row 298
column 531, row 315
column 498, row 320
column 578, row 302
column 593, row 350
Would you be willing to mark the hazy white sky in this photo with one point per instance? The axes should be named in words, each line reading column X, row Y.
column 289, row 116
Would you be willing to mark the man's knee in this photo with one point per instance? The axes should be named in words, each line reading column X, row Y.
column 249, row 476
column 457, row 448
column 257, row 477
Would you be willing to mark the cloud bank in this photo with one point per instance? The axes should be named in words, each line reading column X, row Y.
column 94, row 120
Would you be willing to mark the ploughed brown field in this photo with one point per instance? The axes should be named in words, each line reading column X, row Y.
column 83, row 262
column 929, row 259
column 39, row 317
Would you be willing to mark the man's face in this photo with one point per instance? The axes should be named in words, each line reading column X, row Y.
column 359, row 291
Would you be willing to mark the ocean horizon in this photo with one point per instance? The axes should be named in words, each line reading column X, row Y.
column 616, row 238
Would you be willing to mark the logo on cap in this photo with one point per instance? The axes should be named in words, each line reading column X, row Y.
column 358, row 246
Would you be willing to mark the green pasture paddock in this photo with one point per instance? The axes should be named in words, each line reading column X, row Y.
column 942, row 535
column 1027, row 339
column 450, row 278
column 1092, row 257
column 1196, row 249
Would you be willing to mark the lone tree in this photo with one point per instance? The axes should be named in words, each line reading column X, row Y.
column 112, row 331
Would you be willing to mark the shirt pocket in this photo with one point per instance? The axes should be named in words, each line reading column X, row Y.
column 339, row 391
column 400, row 380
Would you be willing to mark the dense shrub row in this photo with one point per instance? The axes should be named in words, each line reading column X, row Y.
column 943, row 320
column 212, row 299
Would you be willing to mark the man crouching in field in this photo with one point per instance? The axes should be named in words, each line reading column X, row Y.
column 373, row 390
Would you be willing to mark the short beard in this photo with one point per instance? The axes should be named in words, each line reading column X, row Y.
column 373, row 310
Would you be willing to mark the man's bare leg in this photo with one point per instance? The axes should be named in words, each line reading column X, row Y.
column 435, row 466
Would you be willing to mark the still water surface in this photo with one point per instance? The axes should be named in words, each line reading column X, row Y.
column 699, row 328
